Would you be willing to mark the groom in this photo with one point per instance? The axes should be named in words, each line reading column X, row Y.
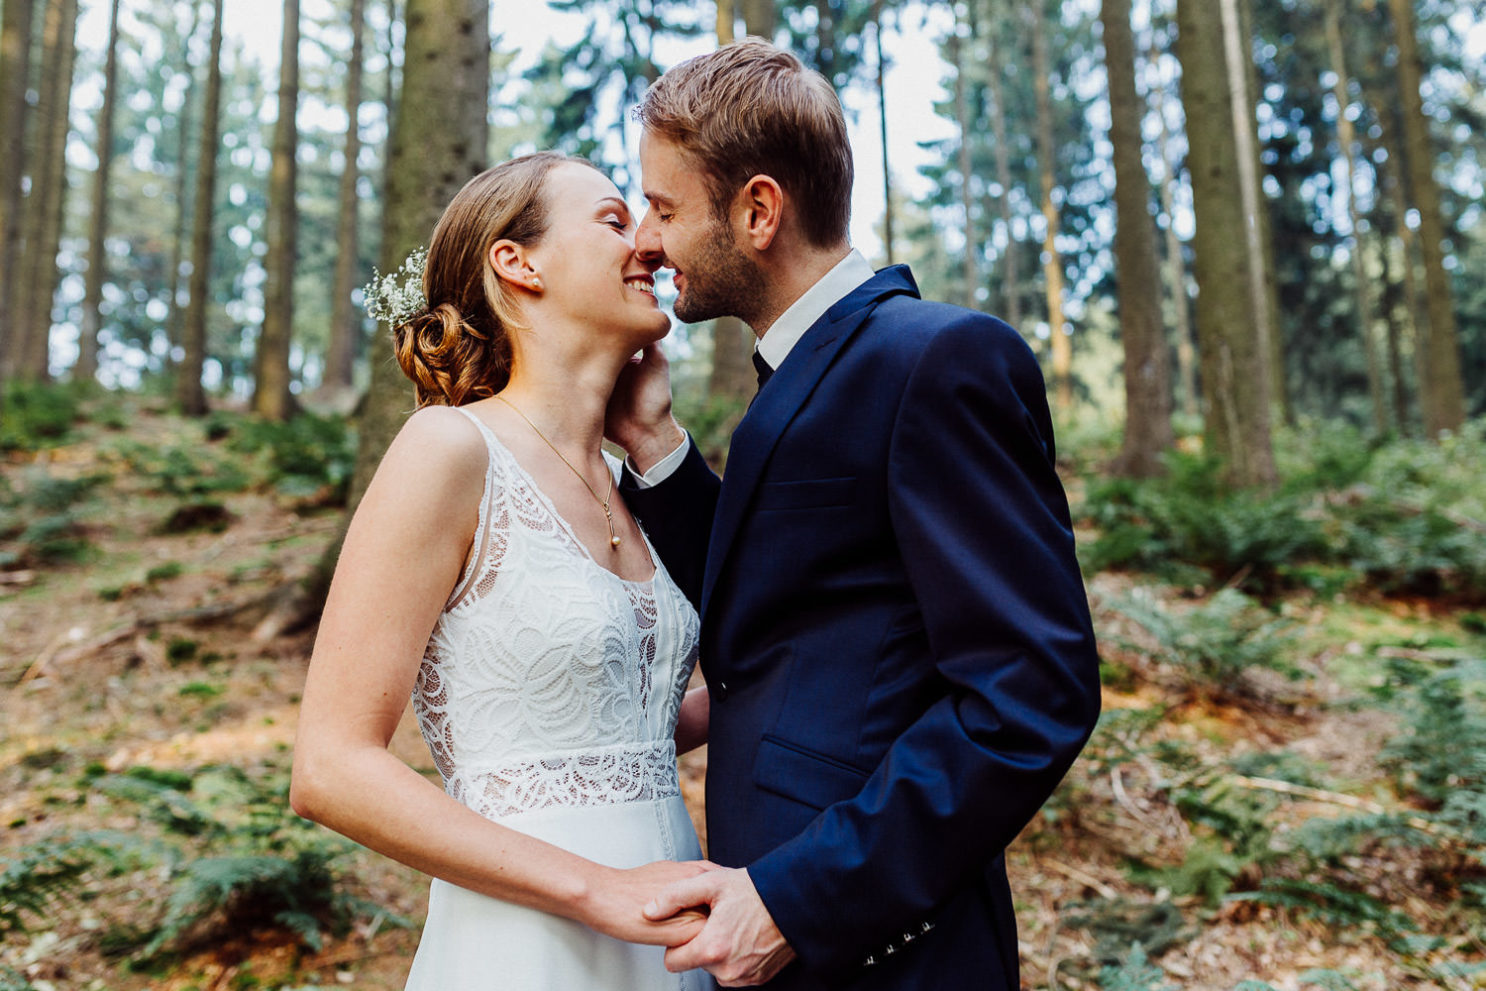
column 894, row 629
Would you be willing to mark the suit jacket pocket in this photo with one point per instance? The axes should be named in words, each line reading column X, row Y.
column 803, row 775
column 809, row 493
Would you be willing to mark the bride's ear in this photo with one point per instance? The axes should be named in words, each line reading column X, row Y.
column 512, row 263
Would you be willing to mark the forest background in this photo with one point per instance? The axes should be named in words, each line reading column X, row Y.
column 1246, row 240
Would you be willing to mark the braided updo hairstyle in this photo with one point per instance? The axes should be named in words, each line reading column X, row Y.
column 457, row 349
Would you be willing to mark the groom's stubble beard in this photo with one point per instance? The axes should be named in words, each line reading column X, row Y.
column 721, row 281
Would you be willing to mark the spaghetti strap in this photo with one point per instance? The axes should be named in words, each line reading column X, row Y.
column 491, row 441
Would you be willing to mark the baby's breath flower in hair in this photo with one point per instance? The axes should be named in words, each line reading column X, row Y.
column 398, row 296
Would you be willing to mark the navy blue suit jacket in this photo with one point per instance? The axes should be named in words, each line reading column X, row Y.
column 895, row 635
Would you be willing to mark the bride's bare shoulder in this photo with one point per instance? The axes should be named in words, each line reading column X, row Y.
column 437, row 446
column 442, row 429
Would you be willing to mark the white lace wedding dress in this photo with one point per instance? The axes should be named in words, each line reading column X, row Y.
column 548, row 697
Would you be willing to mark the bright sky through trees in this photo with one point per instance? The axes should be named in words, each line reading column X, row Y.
column 913, row 83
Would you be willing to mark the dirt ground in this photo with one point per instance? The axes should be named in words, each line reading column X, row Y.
column 103, row 664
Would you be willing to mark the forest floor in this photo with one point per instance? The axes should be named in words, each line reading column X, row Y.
column 149, row 708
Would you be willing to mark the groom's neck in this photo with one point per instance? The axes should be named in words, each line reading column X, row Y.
column 790, row 274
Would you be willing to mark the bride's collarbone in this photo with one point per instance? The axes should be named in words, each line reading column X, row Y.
column 582, row 512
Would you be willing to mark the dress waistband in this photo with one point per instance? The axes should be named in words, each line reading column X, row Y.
column 613, row 775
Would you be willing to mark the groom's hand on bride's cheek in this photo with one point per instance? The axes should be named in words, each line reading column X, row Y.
column 638, row 418
column 739, row 945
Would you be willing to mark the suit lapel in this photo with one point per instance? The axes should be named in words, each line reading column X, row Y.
column 777, row 404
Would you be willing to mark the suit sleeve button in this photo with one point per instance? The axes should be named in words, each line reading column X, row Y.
column 720, row 691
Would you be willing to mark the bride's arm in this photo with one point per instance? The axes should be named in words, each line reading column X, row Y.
column 691, row 721
column 402, row 555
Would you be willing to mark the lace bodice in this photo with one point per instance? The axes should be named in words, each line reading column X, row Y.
column 549, row 680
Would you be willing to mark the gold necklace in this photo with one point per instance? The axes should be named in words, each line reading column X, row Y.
column 614, row 538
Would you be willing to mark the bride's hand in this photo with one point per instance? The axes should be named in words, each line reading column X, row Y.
column 615, row 903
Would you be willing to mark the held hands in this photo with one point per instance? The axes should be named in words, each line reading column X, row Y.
column 615, row 902
column 639, row 415
column 739, row 943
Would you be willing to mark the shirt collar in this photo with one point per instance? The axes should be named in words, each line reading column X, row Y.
column 849, row 273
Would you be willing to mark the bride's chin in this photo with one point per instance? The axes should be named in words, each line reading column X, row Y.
column 661, row 329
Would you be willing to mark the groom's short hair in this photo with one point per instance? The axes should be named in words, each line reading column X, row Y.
column 750, row 109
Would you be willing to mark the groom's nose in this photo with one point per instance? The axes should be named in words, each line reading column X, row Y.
column 647, row 242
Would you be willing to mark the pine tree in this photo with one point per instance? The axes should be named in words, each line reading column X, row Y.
column 46, row 201
column 1234, row 357
column 175, row 320
column 1148, row 432
column 1052, row 258
column 87, row 358
column 437, row 144
column 271, row 397
column 189, row 391
column 1441, row 388
column 15, row 61
column 345, row 322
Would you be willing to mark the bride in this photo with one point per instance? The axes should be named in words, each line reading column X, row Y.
column 492, row 573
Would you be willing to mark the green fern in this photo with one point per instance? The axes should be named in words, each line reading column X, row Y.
column 35, row 876
column 1116, row 925
column 1331, row 903
column 162, row 801
column 1439, row 757
column 1134, row 973
column 14, row 980
column 1327, row 841
column 252, row 890
column 1215, row 642
column 1327, row 980
column 267, row 868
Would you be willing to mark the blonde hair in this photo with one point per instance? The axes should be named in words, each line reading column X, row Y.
column 457, row 349
column 749, row 109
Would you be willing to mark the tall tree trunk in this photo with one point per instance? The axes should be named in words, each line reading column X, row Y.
column 1176, row 264
column 1399, row 303
column 969, row 271
column 727, row 16
column 732, row 379
column 1393, row 299
column 271, row 398
column 436, row 145
column 1234, row 362
column 92, row 323
column 1441, row 388
column 1346, row 138
column 189, row 391
column 760, row 18
column 175, row 321
column 1147, row 377
column 887, row 175
column 393, row 80
column 1052, row 261
column 46, row 202
column 1238, row 26
column 1011, row 283
column 345, row 322
column 15, row 67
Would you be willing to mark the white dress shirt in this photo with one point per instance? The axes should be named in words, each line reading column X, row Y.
column 780, row 339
